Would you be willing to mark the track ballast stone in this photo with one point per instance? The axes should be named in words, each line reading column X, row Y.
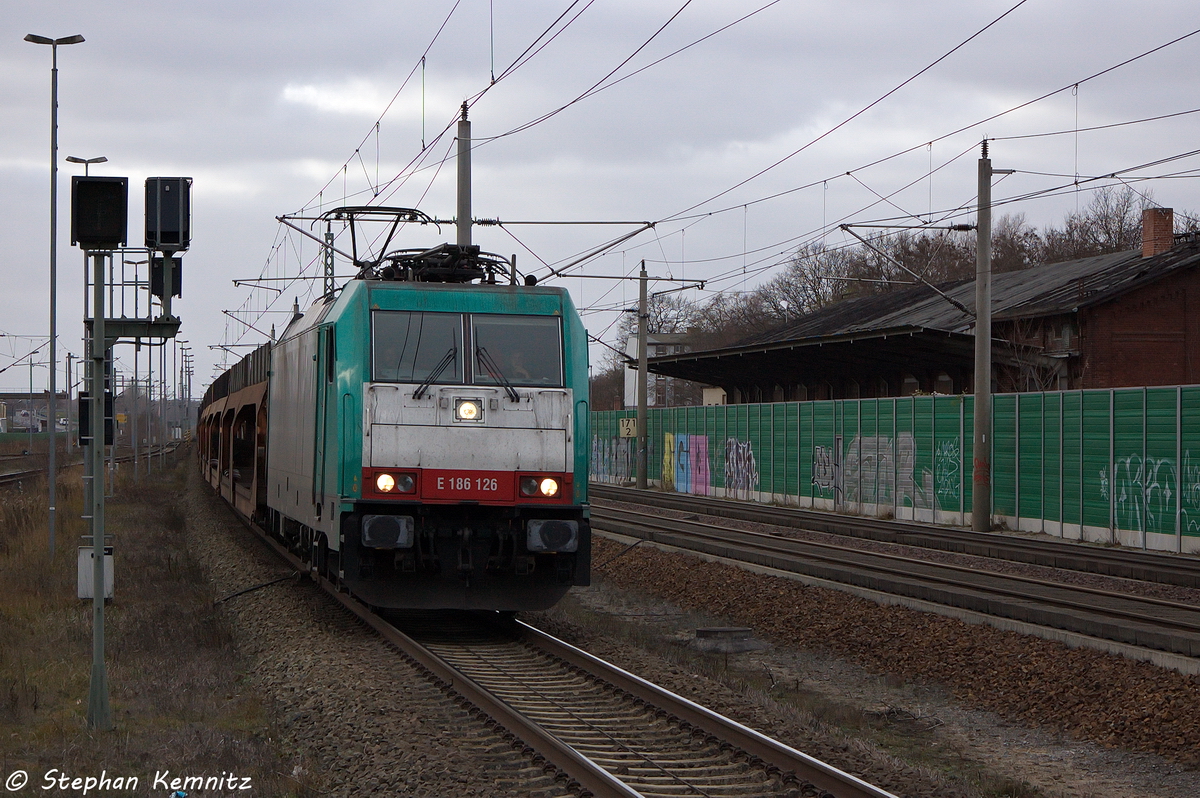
column 350, row 706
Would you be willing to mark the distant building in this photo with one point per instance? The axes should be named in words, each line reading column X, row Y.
column 661, row 391
column 21, row 410
column 1103, row 322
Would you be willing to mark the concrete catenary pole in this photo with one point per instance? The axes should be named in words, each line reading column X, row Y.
column 464, row 179
column 981, row 498
column 643, row 437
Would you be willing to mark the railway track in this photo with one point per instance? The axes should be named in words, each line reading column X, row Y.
column 13, row 477
column 1136, row 620
column 1183, row 570
column 607, row 732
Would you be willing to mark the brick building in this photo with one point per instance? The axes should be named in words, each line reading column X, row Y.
column 1123, row 319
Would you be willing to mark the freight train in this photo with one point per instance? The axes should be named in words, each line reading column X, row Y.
column 418, row 435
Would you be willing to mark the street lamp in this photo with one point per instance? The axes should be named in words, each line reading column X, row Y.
column 51, row 465
column 86, row 162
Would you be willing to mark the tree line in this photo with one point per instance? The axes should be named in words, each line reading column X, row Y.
column 819, row 274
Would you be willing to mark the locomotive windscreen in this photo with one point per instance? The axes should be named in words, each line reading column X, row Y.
column 414, row 346
column 411, row 346
column 526, row 349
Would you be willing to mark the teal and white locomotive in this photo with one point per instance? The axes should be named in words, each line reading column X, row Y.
column 419, row 435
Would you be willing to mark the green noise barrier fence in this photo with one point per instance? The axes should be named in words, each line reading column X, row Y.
column 1119, row 466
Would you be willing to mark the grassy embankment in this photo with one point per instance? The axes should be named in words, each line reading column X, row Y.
column 179, row 699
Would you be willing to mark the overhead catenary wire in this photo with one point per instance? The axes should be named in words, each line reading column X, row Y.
column 855, row 115
column 943, row 137
column 826, row 227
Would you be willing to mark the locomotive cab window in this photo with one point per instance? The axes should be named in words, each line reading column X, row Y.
column 413, row 346
column 519, row 350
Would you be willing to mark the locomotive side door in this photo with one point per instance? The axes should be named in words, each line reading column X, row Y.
column 325, row 376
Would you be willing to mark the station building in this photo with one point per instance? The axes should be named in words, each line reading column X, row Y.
column 1123, row 319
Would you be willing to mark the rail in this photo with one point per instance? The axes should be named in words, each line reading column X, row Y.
column 1123, row 617
column 1168, row 568
column 607, row 775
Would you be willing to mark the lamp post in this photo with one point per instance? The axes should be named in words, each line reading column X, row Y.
column 51, row 465
column 86, row 162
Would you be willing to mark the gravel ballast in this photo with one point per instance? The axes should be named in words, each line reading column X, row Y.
column 350, row 708
column 1069, row 695
column 356, row 719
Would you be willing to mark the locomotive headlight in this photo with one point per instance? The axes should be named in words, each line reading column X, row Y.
column 395, row 483
column 539, row 486
column 467, row 410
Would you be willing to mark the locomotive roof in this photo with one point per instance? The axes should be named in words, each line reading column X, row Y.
column 502, row 298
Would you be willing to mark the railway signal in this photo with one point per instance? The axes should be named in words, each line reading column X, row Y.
column 99, row 225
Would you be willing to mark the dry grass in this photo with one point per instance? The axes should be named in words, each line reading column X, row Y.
column 179, row 701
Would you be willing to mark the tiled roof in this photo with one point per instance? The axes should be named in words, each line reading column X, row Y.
column 1041, row 291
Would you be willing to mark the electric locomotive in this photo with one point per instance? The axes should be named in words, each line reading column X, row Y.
column 420, row 435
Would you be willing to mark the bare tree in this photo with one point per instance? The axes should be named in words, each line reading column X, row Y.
column 608, row 386
column 1016, row 245
column 727, row 318
column 809, row 281
column 666, row 313
column 1111, row 222
column 817, row 275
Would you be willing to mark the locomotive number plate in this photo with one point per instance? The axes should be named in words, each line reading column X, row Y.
column 467, row 485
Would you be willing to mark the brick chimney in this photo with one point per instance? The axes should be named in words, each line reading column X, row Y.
column 1158, row 228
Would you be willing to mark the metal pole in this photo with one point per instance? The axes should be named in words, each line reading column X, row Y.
column 464, row 179
column 149, row 410
column 32, row 410
column 1178, row 468
column 162, row 408
column 133, row 413
column 111, row 471
column 67, row 409
column 642, row 414
column 981, row 497
column 51, row 466
column 99, row 715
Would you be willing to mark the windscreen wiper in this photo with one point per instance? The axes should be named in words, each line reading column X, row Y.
column 496, row 374
column 451, row 354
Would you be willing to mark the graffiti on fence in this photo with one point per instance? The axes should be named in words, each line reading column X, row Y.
column 882, row 470
column 947, row 473
column 685, row 463
column 1144, row 492
column 1189, row 496
column 668, row 461
column 612, row 459
column 741, row 469
column 823, row 475
column 1142, row 489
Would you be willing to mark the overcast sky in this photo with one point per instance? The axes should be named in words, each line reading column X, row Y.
column 264, row 103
